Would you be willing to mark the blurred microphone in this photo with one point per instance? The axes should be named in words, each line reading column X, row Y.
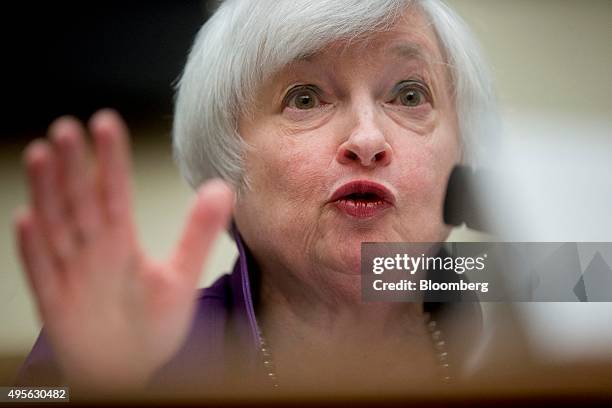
column 463, row 203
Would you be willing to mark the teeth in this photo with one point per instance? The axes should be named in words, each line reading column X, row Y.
column 363, row 203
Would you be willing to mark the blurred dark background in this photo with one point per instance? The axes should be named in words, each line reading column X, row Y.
column 73, row 58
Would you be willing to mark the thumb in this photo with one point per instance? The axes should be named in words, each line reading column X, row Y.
column 209, row 214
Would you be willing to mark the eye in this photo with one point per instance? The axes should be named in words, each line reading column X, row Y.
column 302, row 98
column 411, row 97
column 411, row 94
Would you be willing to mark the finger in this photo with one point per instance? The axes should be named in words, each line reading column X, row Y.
column 37, row 261
column 114, row 168
column 68, row 136
column 210, row 213
column 41, row 164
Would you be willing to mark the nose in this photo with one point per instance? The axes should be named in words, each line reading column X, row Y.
column 366, row 144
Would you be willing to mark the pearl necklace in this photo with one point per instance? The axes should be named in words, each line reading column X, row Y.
column 432, row 327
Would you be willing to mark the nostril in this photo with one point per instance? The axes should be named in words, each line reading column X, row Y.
column 380, row 156
column 350, row 154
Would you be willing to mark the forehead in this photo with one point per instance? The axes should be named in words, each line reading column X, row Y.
column 411, row 36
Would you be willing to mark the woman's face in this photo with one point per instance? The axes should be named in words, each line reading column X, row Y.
column 378, row 113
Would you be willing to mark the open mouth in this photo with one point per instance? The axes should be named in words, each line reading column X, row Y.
column 362, row 201
column 365, row 197
column 362, row 198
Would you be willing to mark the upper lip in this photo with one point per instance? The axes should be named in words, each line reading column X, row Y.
column 363, row 187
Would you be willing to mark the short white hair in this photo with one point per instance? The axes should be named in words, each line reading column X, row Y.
column 245, row 42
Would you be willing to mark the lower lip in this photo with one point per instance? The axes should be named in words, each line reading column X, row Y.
column 362, row 209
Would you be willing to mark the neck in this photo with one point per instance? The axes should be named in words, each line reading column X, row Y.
column 329, row 312
column 314, row 340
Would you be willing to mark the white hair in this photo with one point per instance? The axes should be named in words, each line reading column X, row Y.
column 245, row 42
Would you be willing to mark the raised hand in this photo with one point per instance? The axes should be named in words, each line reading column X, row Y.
column 112, row 314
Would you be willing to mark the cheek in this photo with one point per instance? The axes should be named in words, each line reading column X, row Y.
column 302, row 175
column 424, row 161
column 424, row 167
column 290, row 174
column 417, row 174
column 289, row 189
